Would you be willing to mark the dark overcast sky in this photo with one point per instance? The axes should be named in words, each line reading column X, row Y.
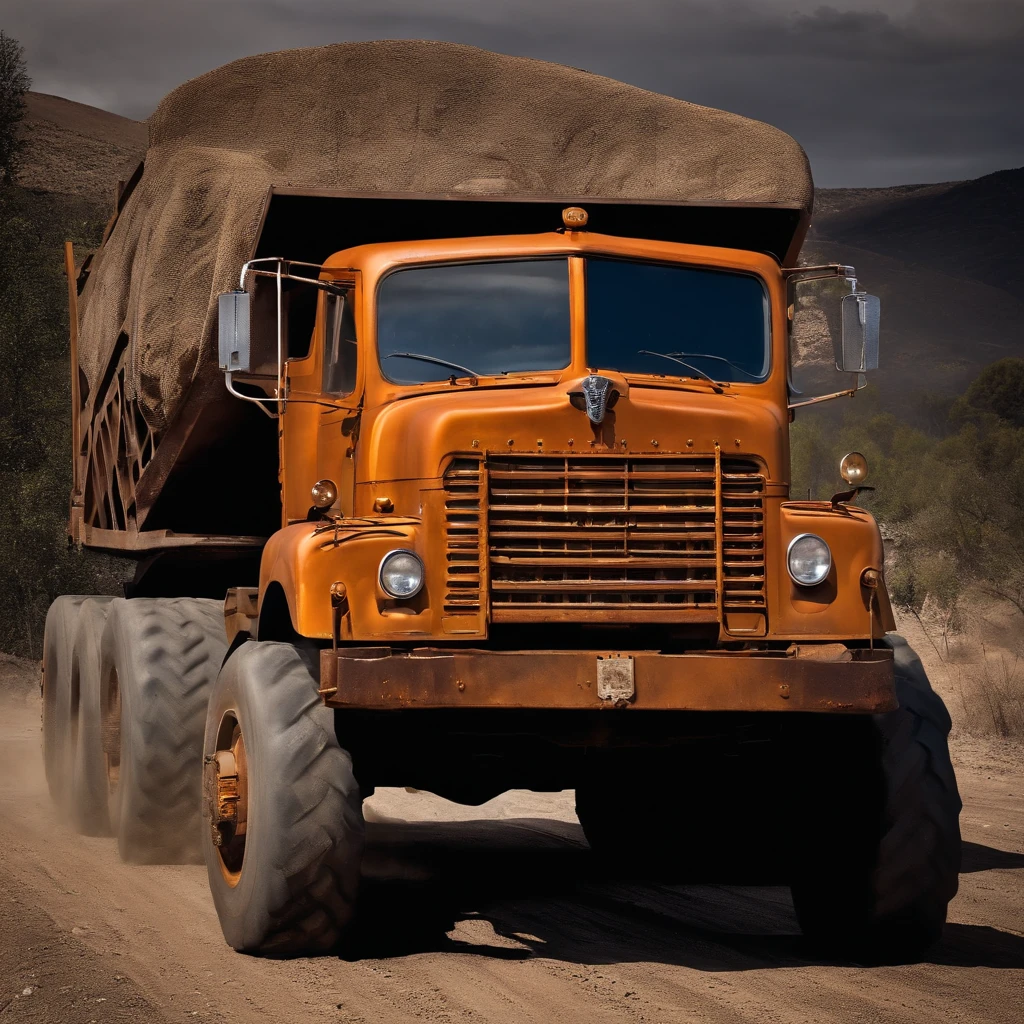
column 877, row 91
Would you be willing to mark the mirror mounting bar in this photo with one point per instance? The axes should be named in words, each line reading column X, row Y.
column 848, row 393
column 282, row 272
column 820, row 272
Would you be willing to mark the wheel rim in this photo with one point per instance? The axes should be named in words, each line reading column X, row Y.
column 228, row 795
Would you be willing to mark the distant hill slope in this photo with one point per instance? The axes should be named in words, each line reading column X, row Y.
column 946, row 260
column 78, row 150
column 968, row 229
column 938, row 330
column 831, row 204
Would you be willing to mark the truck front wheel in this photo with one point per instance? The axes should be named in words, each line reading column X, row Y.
column 283, row 821
column 878, row 855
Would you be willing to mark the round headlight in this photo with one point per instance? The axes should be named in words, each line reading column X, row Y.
column 809, row 559
column 854, row 468
column 324, row 493
column 401, row 573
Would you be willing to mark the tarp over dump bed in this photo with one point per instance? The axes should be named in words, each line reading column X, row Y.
column 431, row 118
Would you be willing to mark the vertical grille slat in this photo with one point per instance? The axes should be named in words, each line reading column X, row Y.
column 589, row 536
column 462, row 510
column 743, row 587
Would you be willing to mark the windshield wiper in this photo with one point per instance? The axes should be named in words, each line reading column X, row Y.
column 698, row 373
column 707, row 355
column 433, row 359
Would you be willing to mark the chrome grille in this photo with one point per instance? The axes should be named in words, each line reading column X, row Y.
column 581, row 538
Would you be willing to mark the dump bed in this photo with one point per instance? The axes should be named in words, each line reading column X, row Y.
column 302, row 153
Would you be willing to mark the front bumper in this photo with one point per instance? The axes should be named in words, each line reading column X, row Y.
column 378, row 678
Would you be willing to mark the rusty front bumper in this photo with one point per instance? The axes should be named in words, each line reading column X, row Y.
column 378, row 678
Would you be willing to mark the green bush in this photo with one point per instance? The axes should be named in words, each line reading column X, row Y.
column 950, row 503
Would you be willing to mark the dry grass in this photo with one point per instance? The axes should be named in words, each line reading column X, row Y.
column 75, row 149
column 978, row 668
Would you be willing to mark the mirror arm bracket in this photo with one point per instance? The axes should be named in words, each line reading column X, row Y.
column 822, row 272
column 848, row 393
column 229, row 384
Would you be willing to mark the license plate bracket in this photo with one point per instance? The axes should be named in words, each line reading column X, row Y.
column 615, row 681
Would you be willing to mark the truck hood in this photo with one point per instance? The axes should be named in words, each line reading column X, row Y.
column 412, row 438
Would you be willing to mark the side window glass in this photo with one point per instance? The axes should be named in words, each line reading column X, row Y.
column 340, row 344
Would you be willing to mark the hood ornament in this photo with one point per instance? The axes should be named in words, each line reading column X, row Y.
column 599, row 395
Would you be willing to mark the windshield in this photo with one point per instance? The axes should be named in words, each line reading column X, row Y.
column 677, row 321
column 473, row 319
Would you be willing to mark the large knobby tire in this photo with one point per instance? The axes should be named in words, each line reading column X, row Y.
column 88, row 773
column 879, row 858
column 159, row 661
column 285, row 882
column 58, row 644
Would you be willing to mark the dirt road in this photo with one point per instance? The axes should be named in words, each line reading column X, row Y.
column 497, row 917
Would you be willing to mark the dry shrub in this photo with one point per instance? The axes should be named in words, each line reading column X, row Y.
column 991, row 696
column 978, row 668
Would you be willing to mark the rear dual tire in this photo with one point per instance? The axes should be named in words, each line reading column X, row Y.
column 58, row 648
column 130, row 688
column 69, row 724
column 88, row 775
column 158, row 662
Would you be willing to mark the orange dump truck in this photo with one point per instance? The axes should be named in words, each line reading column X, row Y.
column 443, row 400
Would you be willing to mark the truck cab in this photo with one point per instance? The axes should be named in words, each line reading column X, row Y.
column 563, row 439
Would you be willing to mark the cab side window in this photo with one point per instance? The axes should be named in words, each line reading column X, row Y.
column 340, row 343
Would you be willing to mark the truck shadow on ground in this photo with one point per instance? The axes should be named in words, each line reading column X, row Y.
column 526, row 888
column 988, row 858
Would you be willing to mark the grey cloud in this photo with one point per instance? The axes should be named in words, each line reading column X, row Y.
column 877, row 91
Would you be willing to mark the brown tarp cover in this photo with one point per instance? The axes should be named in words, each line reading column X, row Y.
column 391, row 116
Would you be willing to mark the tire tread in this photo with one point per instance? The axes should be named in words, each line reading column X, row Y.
column 312, row 875
column 170, row 650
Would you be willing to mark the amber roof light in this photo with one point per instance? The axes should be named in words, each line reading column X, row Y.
column 574, row 218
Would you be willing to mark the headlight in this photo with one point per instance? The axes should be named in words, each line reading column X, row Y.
column 854, row 468
column 809, row 559
column 324, row 493
column 401, row 573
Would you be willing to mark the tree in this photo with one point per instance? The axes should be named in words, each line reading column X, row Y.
column 14, row 83
column 999, row 389
column 35, row 420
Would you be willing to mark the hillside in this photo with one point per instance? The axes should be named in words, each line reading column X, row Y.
column 75, row 149
column 946, row 261
column 968, row 229
column 831, row 204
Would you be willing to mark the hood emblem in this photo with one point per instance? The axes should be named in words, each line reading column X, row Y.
column 598, row 395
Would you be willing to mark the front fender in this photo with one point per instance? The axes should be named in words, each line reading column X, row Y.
column 305, row 559
column 842, row 606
